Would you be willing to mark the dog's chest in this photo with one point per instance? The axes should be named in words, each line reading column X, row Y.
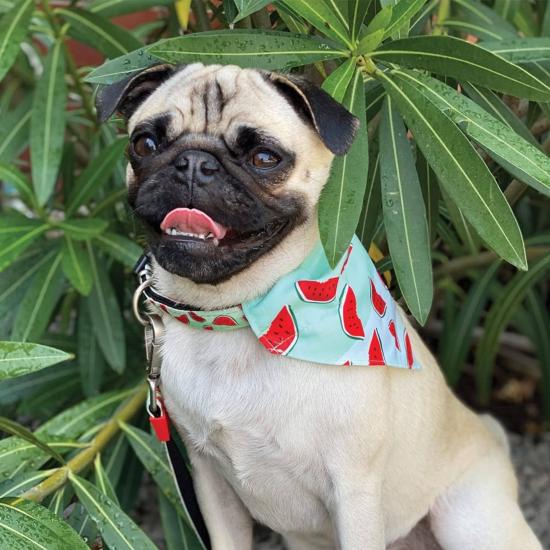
column 247, row 410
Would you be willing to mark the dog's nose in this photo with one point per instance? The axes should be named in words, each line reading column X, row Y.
column 198, row 166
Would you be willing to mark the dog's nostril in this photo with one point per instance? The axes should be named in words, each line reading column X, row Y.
column 208, row 168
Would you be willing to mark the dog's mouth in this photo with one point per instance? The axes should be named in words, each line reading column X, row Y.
column 196, row 228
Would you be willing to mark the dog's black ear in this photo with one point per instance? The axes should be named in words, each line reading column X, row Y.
column 126, row 95
column 335, row 125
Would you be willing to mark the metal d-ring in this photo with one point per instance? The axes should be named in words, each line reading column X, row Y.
column 135, row 302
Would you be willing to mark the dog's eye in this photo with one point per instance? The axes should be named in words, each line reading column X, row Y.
column 145, row 145
column 265, row 159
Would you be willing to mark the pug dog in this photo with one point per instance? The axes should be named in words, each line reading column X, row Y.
column 329, row 457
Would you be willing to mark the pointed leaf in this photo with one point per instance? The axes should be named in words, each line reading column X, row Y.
column 462, row 60
column 247, row 7
column 99, row 33
column 95, row 175
column 48, row 123
column 83, row 229
column 322, row 17
column 270, row 50
column 372, row 203
column 20, row 484
column 91, row 362
column 522, row 159
column 460, row 170
column 430, row 191
column 342, row 196
column 102, row 480
column 116, row 528
column 402, row 13
column 120, row 248
column 520, row 50
column 405, row 214
column 14, row 131
column 13, row 29
column 25, row 525
column 34, row 313
column 357, row 13
column 17, row 233
column 477, row 13
column 13, row 428
column 76, row 266
column 498, row 317
column 106, row 317
column 11, row 174
column 375, row 30
column 18, row 359
column 177, row 534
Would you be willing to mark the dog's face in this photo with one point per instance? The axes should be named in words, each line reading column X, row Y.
column 224, row 162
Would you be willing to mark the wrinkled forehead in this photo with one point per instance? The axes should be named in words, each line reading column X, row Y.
column 217, row 100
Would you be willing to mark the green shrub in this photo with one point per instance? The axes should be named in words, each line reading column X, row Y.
column 449, row 177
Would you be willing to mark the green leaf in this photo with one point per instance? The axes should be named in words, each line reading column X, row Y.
column 106, row 317
column 116, row 528
column 48, row 123
column 467, row 234
column 13, row 29
column 270, row 50
column 18, row 358
column 112, row 8
column 95, row 175
column 498, row 317
column 430, row 191
column 374, row 96
column 34, row 313
column 475, row 28
column 372, row 203
column 177, row 534
column 322, row 17
column 17, row 486
column 246, row 7
column 151, row 454
column 357, row 13
column 82, row 229
column 375, row 30
column 91, row 362
column 405, row 214
column 13, row 428
column 402, row 13
column 462, row 60
column 506, row 8
column 454, row 353
column 99, row 33
column 11, row 174
column 25, row 525
column 120, row 248
column 102, row 480
column 483, row 16
column 14, row 131
column 460, row 170
column 76, row 266
column 338, row 81
column 520, row 50
column 17, row 233
column 342, row 196
column 523, row 160
column 121, row 67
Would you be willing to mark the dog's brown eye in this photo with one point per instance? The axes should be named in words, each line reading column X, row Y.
column 145, row 145
column 265, row 159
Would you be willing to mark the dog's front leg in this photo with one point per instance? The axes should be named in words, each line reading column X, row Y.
column 227, row 520
column 358, row 516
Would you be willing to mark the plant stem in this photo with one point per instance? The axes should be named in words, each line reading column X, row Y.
column 201, row 15
column 443, row 12
column 464, row 263
column 87, row 456
column 515, row 190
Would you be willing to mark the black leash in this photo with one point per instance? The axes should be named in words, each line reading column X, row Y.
column 153, row 330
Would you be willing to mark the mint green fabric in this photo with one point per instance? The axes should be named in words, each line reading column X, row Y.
column 341, row 316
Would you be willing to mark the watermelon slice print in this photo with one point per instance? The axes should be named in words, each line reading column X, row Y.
column 183, row 319
column 318, row 292
column 282, row 334
column 224, row 321
column 408, row 349
column 348, row 363
column 378, row 303
column 344, row 265
column 196, row 317
column 351, row 323
column 376, row 355
column 393, row 332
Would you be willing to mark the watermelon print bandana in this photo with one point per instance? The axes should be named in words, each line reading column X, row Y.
column 341, row 316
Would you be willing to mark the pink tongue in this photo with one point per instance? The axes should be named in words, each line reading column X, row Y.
column 191, row 220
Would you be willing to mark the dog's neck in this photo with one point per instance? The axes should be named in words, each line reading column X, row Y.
column 251, row 283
